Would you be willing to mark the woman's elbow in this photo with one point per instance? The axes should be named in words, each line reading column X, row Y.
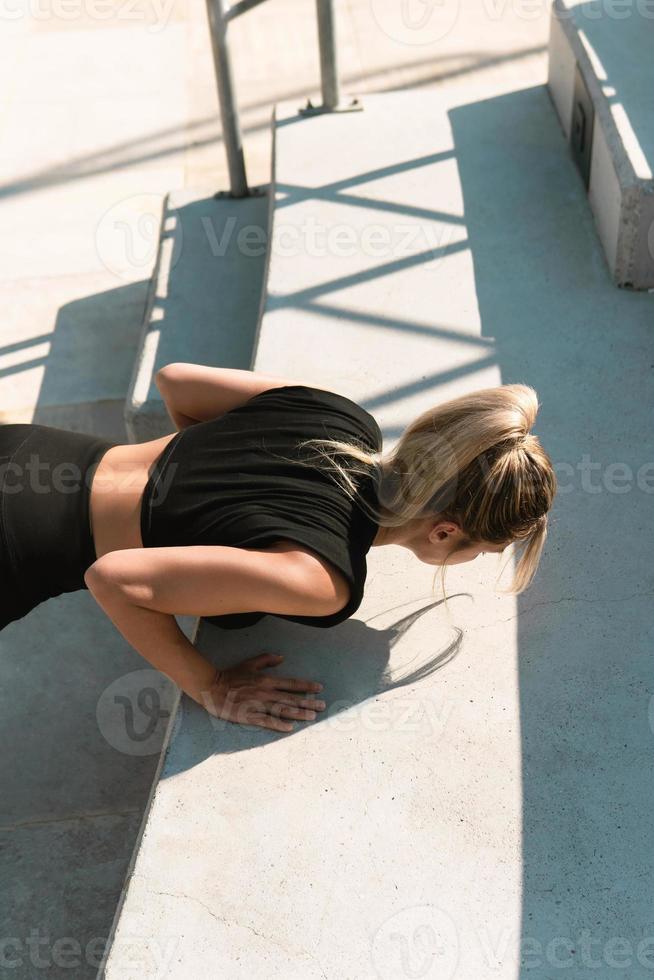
column 108, row 577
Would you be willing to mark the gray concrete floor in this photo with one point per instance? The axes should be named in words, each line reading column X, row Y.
column 514, row 825
column 101, row 117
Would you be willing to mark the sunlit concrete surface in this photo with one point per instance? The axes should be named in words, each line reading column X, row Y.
column 474, row 801
column 105, row 114
column 101, row 119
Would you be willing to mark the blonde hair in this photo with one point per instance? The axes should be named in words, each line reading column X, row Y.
column 471, row 460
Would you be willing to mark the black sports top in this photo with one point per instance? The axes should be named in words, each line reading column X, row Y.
column 237, row 480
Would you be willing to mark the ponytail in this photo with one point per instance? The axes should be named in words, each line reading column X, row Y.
column 472, row 460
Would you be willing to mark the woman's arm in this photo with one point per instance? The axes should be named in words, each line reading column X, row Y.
column 141, row 589
column 156, row 636
column 196, row 393
column 239, row 694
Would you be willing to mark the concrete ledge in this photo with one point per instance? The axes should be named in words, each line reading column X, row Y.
column 205, row 295
column 301, row 856
column 612, row 57
column 431, row 820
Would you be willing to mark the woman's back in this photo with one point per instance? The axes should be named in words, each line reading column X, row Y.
column 239, row 480
column 124, row 471
column 233, row 480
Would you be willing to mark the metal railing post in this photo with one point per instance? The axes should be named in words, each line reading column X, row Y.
column 331, row 95
column 228, row 110
column 219, row 14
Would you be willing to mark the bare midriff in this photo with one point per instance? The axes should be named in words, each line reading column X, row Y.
column 116, row 497
column 116, row 494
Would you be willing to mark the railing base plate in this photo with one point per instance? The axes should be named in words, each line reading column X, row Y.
column 355, row 105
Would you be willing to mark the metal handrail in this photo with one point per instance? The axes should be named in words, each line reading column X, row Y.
column 219, row 15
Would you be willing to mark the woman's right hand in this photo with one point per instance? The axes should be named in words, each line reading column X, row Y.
column 244, row 695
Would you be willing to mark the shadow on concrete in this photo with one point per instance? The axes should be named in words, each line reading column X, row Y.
column 205, row 298
column 354, row 667
column 586, row 672
column 83, row 715
column 149, row 148
column 552, row 317
column 72, row 800
column 86, row 360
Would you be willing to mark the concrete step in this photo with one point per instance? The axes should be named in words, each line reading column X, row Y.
column 601, row 77
column 204, row 299
column 430, row 820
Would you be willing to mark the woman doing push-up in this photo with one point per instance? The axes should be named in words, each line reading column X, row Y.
column 265, row 500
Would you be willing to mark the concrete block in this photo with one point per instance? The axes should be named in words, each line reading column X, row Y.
column 204, row 299
column 608, row 53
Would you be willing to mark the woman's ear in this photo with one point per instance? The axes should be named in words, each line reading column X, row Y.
column 443, row 529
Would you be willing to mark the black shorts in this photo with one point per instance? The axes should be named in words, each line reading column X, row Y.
column 46, row 543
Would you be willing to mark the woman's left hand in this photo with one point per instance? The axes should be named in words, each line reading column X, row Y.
column 243, row 695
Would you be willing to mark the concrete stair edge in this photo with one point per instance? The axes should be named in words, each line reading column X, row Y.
column 143, row 415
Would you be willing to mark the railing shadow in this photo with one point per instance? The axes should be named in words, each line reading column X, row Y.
column 351, row 660
column 84, row 714
column 546, row 299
